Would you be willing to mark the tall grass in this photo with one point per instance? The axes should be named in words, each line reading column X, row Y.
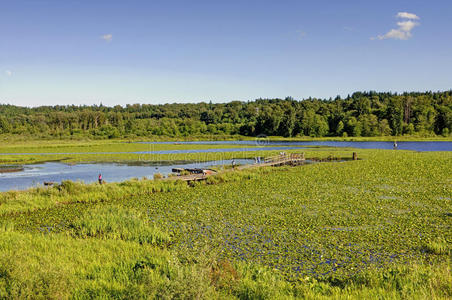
column 68, row 192
column 439, row 247
column 118, row 223
column 61, row 267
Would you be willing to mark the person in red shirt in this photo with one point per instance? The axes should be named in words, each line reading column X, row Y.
column 100, row 178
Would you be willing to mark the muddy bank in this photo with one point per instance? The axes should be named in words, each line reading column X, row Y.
column 11, row 169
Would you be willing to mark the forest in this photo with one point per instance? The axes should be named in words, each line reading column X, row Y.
column 364, row 114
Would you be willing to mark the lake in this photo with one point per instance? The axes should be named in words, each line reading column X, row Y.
column 37, row 174
column 265, row 145
column 32, row 175
column 415, row 146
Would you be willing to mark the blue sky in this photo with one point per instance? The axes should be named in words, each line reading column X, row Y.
column 119, row 52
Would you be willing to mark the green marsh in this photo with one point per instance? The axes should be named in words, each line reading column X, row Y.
column 377, row 227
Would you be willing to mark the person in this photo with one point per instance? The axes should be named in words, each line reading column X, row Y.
column 395, row 145
column 100, row 178
column 233, row 163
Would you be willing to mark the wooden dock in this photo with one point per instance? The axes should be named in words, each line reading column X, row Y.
column 191, row 177
column 291, row 159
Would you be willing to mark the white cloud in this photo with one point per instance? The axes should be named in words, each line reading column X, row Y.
column 405, row 15
column 403, row 32
column 107, row 37
column 9, row 73
column 407, row 26
column 395, row 34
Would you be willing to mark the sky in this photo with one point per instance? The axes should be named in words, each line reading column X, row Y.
column 120, row 52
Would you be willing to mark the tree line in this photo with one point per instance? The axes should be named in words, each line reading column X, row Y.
column 359, row 114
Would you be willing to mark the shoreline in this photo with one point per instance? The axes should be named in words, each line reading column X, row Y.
column 27, row 139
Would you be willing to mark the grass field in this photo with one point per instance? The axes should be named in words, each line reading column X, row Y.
column 103, row 151
column 379, row 227
column 101, row 146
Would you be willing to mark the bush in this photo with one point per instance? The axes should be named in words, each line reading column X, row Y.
column 67, row 186
column 158, row 176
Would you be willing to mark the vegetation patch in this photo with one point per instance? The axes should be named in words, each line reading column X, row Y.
column 376, row 227
column 118, row 223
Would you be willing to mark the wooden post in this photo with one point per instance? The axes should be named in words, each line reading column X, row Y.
column 355, row 156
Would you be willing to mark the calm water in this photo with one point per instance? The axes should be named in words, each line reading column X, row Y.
column 34, row 175
column 185, row 151
column 415, row 146
column 265, row 145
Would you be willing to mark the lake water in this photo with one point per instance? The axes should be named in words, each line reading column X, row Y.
column 33, row 175
column 265, row 145
column 415, row 146
column 37, row 174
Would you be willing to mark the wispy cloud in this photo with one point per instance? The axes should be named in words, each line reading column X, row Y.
column 107, row 37
column 9, row 73
column 403, row 32
column 405, row 15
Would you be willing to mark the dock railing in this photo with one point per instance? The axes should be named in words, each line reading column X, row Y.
column 282, row 158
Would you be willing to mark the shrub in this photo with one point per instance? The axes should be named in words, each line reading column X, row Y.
column 67, row 186
column 158, row 176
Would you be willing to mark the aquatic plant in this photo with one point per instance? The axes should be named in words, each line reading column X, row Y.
column 376, row 227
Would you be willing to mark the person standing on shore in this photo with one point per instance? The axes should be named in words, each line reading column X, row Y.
column 100, row 178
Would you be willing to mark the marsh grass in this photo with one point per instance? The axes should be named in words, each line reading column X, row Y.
column 68, row 192
column 118, row 224
column 105, row 152
column 77, row 192
column 101, row 146
column 61, row 267
column 438, row 247
column 167, row 240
